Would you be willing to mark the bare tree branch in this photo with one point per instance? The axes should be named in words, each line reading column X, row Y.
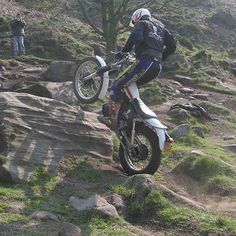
column 164, row 4
column 83, row 10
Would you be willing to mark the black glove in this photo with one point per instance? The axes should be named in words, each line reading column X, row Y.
column 119, row 55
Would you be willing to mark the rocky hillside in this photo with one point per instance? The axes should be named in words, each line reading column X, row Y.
column 59, row 168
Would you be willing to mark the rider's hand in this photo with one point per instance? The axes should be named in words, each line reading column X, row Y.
column 119, row 55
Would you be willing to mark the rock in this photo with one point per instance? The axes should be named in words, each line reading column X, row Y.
column 33, row 70
column 69, row 230
column 44, row 215
column 143, row 184
column 60, row 71
column 230, row 147
column 233, row 67
column 176, row 83
column 186, row 90
column 5, row 176
column 95, row 202
column 233, row 70
column 227, row 138
column 61, row 91
column 214, row 109
column 230, row 103
column 201, row 96
column 197, row 153
column 180, row 131
column 2, row 68
column 117, row 201
column 43, row 131
column 180, row 115
column 184, row 80
column 198, row 131
column 35, row 89
column 15, row 207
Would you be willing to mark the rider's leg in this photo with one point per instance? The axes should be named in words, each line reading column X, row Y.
column 115, row 93
column 151, row 74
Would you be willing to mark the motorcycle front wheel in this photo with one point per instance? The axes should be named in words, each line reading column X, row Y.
column 87, row 89
column 144, row 156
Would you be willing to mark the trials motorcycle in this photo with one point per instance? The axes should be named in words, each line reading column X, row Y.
column 143, row 138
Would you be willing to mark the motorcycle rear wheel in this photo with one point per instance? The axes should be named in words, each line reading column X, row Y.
column 145, row 156
column 87, row 91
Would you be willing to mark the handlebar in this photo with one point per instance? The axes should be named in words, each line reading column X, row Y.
column 127, row 57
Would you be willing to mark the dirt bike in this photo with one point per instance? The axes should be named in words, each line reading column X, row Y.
column 143, row 138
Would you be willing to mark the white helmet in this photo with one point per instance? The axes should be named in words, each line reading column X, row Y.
column 138, row 14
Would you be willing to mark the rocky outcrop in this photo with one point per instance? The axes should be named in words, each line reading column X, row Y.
column 60, row 71
column 61, row 91
column 42, row 131
column 94, row 202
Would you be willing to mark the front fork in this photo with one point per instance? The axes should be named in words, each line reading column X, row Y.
column 133, row 132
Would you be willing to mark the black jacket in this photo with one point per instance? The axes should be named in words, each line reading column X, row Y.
column 151, row 40
column 17, row 27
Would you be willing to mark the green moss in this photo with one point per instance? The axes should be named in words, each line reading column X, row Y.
column 2, row 160
column 203, row 168
column 152, row 204
column 7, row 218
column 124, row 191
column 116, row 146
column 43, row 182
column 153, row 95
column 217, row 224
column 180, row 116
column 192, row 140
column 12, row 192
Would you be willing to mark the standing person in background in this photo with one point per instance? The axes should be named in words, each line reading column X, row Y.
column 18, row 32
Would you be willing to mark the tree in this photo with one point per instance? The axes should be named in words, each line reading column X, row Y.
column 111, row 16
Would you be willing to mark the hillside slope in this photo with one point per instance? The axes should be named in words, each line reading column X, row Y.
column 194, row 189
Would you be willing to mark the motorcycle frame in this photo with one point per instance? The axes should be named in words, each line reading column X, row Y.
column 132, row 92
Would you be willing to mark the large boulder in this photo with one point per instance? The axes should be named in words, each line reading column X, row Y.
column 42, row 131
column 61, row 91
column 94, row 202
column 60, row 71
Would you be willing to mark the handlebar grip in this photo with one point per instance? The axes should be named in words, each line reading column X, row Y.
column 103, row 70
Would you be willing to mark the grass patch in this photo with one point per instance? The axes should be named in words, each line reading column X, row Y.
column 162, row 212
column 7, row 218
column 217, row 88
column 123, row 190
column 81, row 168
column 12, row 192
column 202, row 168
column 152, row 94
column 43, row 182
column 222, row 185
column 192, row 140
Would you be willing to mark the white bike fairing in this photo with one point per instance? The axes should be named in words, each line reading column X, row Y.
column 160, row 129
column 105, row 78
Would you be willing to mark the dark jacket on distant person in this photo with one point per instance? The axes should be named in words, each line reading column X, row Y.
column 17, row 27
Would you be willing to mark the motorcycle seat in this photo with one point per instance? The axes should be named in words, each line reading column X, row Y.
column 142, row 109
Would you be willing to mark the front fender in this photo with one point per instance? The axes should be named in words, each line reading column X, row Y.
column 159, row 129
column 105, row 78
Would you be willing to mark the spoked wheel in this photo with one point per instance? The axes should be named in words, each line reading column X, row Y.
column 144, row 156
column 87, row 84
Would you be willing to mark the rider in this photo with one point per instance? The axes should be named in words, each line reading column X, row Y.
column 153, row 44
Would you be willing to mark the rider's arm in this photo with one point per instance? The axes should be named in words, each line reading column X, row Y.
column 135, row 38
column 170, row 44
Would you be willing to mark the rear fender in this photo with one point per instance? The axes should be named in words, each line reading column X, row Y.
column 105, row 78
